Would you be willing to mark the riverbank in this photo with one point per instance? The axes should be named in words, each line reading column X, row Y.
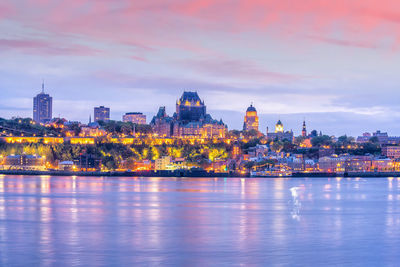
column 193, row 173
column 176, row 173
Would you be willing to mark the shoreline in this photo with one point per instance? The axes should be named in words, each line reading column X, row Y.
column 183, row 173
column 191, row 174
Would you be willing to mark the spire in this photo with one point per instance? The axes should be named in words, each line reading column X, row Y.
column 90, row 118
column 304, row 130
column 43, row 86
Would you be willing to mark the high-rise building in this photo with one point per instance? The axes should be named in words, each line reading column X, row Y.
column 134, row 117
column 304, row 130
column 251, row 119
column 101, row 113
column 42, row 107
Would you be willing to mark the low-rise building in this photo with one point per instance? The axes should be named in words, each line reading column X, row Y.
column 66, row 166
column 162, row 163
column 382, row 165
column 331, row 164
column 279, row 133
column 134, row 117
column 25, row 162
column 392, row 152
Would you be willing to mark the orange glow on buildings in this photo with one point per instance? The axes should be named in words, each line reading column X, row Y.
column 23, row 140
column 251, row 119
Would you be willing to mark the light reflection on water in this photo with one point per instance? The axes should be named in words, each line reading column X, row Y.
column 97, row 221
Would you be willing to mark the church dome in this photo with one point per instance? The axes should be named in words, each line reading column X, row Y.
column 251, row 108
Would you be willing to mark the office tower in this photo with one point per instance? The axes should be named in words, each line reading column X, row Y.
column 42, row 107
column 101, row 113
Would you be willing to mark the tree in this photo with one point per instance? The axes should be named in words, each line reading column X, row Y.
column 277, row 146
column 345, row 140
column 374, row 140
column 251, row 134
column 323, row 140
column 314, row 133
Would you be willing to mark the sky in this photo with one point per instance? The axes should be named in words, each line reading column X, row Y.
column 335, row 64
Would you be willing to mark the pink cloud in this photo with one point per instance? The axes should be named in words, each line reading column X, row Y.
column 47, row 48
column 341, row 42
column 238, row 69
column 139, row 58
column 6, row 10
column 157, row 24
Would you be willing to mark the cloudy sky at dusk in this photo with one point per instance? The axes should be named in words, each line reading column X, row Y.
column 335, row 63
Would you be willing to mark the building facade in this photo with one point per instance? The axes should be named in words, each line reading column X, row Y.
column 101, row 113
column 162, row 124
column 251, row 119
column 392, row 152
column 189, row 121
column 280, row 133
column 304, row 130
column 25, row 162
column 42, row 107
column 163, row 163
column 190, row 108
column 134, row 117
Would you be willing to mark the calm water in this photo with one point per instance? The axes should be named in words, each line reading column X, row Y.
column 93, row 221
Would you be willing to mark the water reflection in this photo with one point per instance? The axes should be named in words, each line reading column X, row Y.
column 178, row 221
column 295, row 202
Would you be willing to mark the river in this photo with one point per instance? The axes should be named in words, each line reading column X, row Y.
column 111, row 221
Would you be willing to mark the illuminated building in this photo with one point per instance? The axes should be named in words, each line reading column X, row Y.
column 25, row 162
column 392, row 152
column 189, row 121
column 66, row 166
column 279, row 127
column 279, row 133
column 382, row 165
column 304, row 130
column 331, row 164
column 134, row 117
column 42, row 107
column 236, row 151
column 190, row 108
column 162, row 124
column 162, row 163
column 382, row 138
column 28, row 140
column 92, row 130
column 81, row 140
column 101, row 114
column 251, row 119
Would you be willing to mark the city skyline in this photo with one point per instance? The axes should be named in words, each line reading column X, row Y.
column 340, row 74
column 291, row 118
column 199, row 132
